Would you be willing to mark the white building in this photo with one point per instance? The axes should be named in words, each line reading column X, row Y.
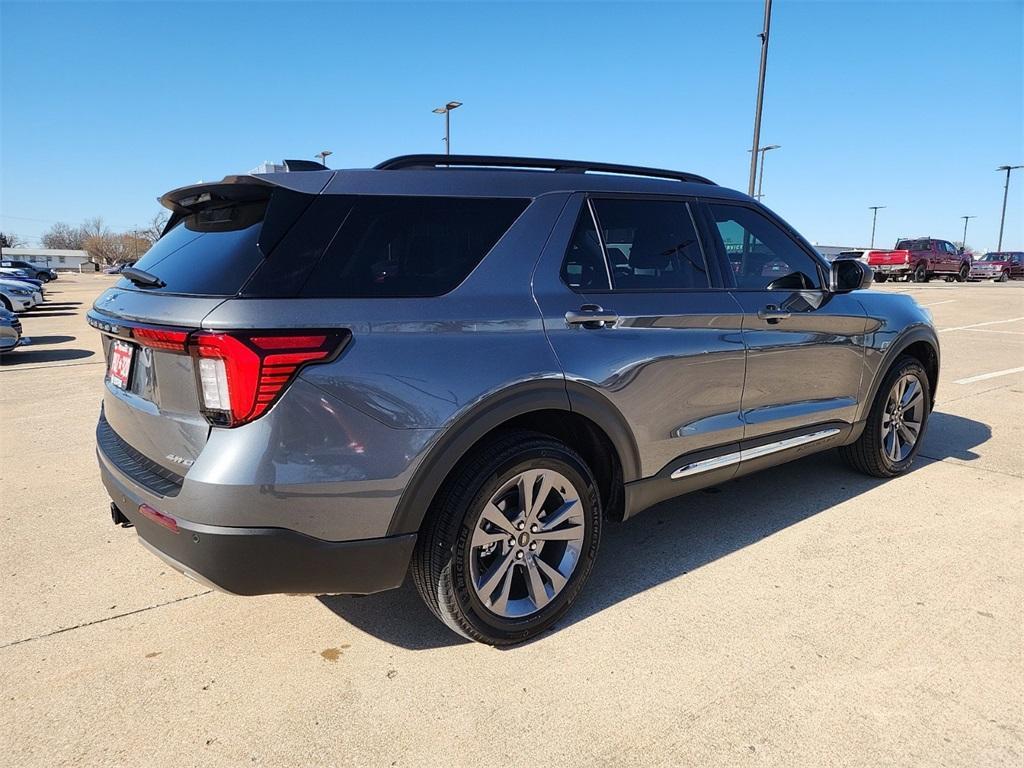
column 53, row 258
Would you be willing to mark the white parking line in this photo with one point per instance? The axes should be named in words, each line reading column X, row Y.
column 983, row 376
column 978, row 325
column 994, row 330
column 936, row 303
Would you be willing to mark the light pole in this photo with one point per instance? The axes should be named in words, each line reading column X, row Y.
column 1006, row 190
column 874, row 218
column 760, row 176
column 963, row 242
column 446, row 110
column 323, row 155
column 760, row 93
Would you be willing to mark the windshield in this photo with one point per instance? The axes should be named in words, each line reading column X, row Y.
column 913, row 245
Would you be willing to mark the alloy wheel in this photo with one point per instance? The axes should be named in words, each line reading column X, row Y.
column 526, row 543
column 903, row 418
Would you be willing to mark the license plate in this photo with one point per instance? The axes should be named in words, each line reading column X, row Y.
column 120, row 364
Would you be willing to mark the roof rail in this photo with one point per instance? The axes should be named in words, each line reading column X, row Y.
column 529, row 163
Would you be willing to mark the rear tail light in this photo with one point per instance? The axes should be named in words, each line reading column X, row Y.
column 160, row 338
column 240, row 375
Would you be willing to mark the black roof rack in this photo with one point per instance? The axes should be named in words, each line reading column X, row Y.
column 529, row 163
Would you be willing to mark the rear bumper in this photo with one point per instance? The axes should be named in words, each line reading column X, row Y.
column 890, row 269
column 259, row 561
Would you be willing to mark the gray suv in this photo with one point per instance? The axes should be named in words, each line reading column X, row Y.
column 463, row 366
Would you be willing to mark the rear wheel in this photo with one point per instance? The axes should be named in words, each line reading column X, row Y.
column 896, row 424
column 963, row 274
column 881, row 277
column 920, row 274
column 510, row 540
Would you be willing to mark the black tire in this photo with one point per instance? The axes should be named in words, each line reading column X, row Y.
column 881, row 277
column 867, row 454
column 963, row 274
column 1003, row 277
column 441, row 561
column 6, row 304
column 920, row 274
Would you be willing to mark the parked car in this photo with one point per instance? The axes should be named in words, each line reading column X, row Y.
column 10, row 331
column 17, row 296
column 920, row 259
column 117, row 269
column 462, row 366
column 999, row 266
column 860, row 254
column 34, row 270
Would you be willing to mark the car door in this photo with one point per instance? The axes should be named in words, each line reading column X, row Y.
column 805, row 344
column 637, row 317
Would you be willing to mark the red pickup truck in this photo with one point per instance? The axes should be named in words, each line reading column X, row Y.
column 919, row 260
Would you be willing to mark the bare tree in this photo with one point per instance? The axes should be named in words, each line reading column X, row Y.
column 62, row 235
column 109, row 248
column 152, row 231
column 11, row 240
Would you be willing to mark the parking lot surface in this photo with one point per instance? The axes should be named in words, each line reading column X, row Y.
column 803, row 616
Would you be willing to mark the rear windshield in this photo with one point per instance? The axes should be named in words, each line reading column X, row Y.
column 913, row 245
column 210, row 253
column 384, row 246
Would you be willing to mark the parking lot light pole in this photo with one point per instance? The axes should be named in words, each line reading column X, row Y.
column 323, row 155
column 963, row 243
column 874, row 219
column 760, row 93
column 446, row 110
column 1006, row 190
column 760, row 175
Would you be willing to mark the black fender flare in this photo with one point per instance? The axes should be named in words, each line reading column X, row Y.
column 910, row 336
column 457, row 438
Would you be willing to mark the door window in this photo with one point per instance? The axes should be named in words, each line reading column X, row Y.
column 761, row 255
column 651, row 245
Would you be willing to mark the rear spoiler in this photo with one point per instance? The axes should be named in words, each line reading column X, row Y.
column 238, row 189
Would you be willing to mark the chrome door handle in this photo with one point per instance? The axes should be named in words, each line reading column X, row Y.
column 591, row 316
column 772, row 314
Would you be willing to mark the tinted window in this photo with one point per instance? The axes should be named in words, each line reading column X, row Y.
column 211, row 252
column 409, row 246
column 651, row 245
column 584, row 267
column 760, row 253
column 913, row 245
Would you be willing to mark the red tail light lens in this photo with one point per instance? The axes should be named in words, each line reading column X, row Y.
column 160, row 338
column 240, row 375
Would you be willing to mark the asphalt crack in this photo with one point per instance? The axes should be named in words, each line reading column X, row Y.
column 104, row 619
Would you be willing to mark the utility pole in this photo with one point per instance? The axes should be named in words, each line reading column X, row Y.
column 760, row 175
column 446, row 110
column 874, row 219
column 760, row 94
column 1006, row 191
column 963, row 242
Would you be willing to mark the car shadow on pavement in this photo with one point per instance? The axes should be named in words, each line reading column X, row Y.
column 28, row 354
column 41, row 340
column 676, row 537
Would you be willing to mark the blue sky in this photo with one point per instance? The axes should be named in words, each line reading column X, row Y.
column 911, row 105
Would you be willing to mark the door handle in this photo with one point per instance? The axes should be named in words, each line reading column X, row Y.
column 591, row 316
column 772, row 314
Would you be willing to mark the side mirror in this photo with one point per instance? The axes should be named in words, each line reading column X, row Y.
column 849, row 275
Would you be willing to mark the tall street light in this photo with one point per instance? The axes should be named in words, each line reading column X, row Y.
column 760, row 176
column 874, row 218
column 446, row 110
column 323, row 155
column 1006, row 190
column 966, row 219
column 760, row 94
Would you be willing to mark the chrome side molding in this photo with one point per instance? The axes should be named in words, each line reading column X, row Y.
column 728, row 459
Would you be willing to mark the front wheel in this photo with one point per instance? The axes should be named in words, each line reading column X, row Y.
column 1003, row 277
column 896, row 424
column 510, row 540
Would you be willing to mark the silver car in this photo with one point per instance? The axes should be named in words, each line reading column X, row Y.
column 464, row 366
column 10, row 331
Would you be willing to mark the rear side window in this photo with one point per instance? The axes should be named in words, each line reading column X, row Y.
column 652, row 245
column 397, row 246
column 762, row 256
column 913, row 245
column 209, row 253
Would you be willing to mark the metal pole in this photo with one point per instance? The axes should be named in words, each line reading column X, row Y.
column 1002, row 218
column 760, row 175
column 447, row 132
column 963, row 242
column 874, row 220
column 760, row 94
